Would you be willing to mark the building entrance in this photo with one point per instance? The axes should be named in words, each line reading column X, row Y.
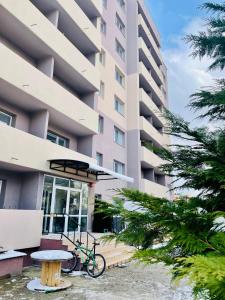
column 64, row 200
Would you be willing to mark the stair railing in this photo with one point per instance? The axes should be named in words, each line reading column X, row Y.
column 75, row 235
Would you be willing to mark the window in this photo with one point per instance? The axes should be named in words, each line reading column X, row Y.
column 119, row 136
column 102, row 90
column 121, row 4
column 2, row 188
column 103, row 26
column 102, row 57
column 6, row 118
column 120, row 50
column 99, row 158
column 120, row 24
column 119, row 105
column 104, row 3
column 100, row 124
column 119, row 77
column 118, row 167
column 59, row 140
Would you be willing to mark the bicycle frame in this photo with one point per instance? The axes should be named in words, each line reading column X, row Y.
column 89, row 253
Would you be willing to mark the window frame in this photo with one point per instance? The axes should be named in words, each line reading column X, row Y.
column 102, row 89
column 116, row 162
column 120, row 25
column 99, row 155
column 58, row 137
column 103, row 25
column 116, row 129
column 102, row 57
column 105, row 4
column 100, row 124
column 122, row 4
column 120, row 50
column 11, row 117
column 118, row 100
column 117, row 71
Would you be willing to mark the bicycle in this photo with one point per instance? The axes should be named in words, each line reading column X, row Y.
column 95, row 264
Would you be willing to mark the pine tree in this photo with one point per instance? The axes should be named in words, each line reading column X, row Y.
column 189, row 232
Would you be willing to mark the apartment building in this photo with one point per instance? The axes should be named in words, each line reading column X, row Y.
column 82, row 87
column 49, row 83
column 133, row 93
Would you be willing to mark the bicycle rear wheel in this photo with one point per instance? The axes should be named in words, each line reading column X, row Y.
column 96, row 265
column 70, row 265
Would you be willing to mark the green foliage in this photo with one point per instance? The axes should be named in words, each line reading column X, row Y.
column 212, row 100
column 185, row 234
column 211, row 42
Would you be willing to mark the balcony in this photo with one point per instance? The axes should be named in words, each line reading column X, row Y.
column 92, row 8
column 150, row 159
column 30, row 89
column 143, row 10
column 153, row 188
column 148, row 83
column 22, row 151
column 148, row 132
column 34, row 34
column 149, row 107
column 73, row 23
column 146, row 56
column 147, row 36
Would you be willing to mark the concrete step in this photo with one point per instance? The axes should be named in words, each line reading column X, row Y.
column 114, row 253
column 118, row 260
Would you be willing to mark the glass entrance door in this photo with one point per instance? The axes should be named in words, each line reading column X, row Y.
column 65, row 205
column 58, row 209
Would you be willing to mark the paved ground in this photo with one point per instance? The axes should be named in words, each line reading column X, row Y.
column 132, row 282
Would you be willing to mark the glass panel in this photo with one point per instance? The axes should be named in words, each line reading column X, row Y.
column 5, row 118
column 84, row 207
column 46, row 222
column 62, row 142
column 60, row 201
column 73, row 223
column 51, row 137
column 1, row 182
column 58, row 224
column 74, row 205
column 62, row 182
column 47, row 195
column 83, row 224
column 76, row 184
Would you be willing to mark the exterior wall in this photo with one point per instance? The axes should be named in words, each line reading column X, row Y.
column 24, row 230
column 144, row 72
column 12, row 189
column 22, row 119
column 50, row 77
column 104, row 143
column 31, row 191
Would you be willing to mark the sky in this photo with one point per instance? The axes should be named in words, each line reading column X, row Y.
column 174, row 19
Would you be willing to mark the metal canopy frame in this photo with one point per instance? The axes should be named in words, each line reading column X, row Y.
column 84, row 169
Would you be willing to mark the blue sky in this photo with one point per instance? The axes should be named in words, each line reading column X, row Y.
column 174, row 19
column 172, row 15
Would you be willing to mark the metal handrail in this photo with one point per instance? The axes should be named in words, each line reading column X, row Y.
column 76, row 225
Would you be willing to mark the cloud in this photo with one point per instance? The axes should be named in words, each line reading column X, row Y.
column 186, row 74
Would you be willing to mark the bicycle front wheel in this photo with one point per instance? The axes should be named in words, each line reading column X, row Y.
column 70, row 265
column 96, row 265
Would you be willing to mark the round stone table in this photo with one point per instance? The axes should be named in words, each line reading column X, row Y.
column 50, row 271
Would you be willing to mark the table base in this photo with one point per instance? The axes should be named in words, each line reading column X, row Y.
column 50, row 273
column 36, row 286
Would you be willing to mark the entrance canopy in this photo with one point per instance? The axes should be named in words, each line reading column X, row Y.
column 84, row 169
